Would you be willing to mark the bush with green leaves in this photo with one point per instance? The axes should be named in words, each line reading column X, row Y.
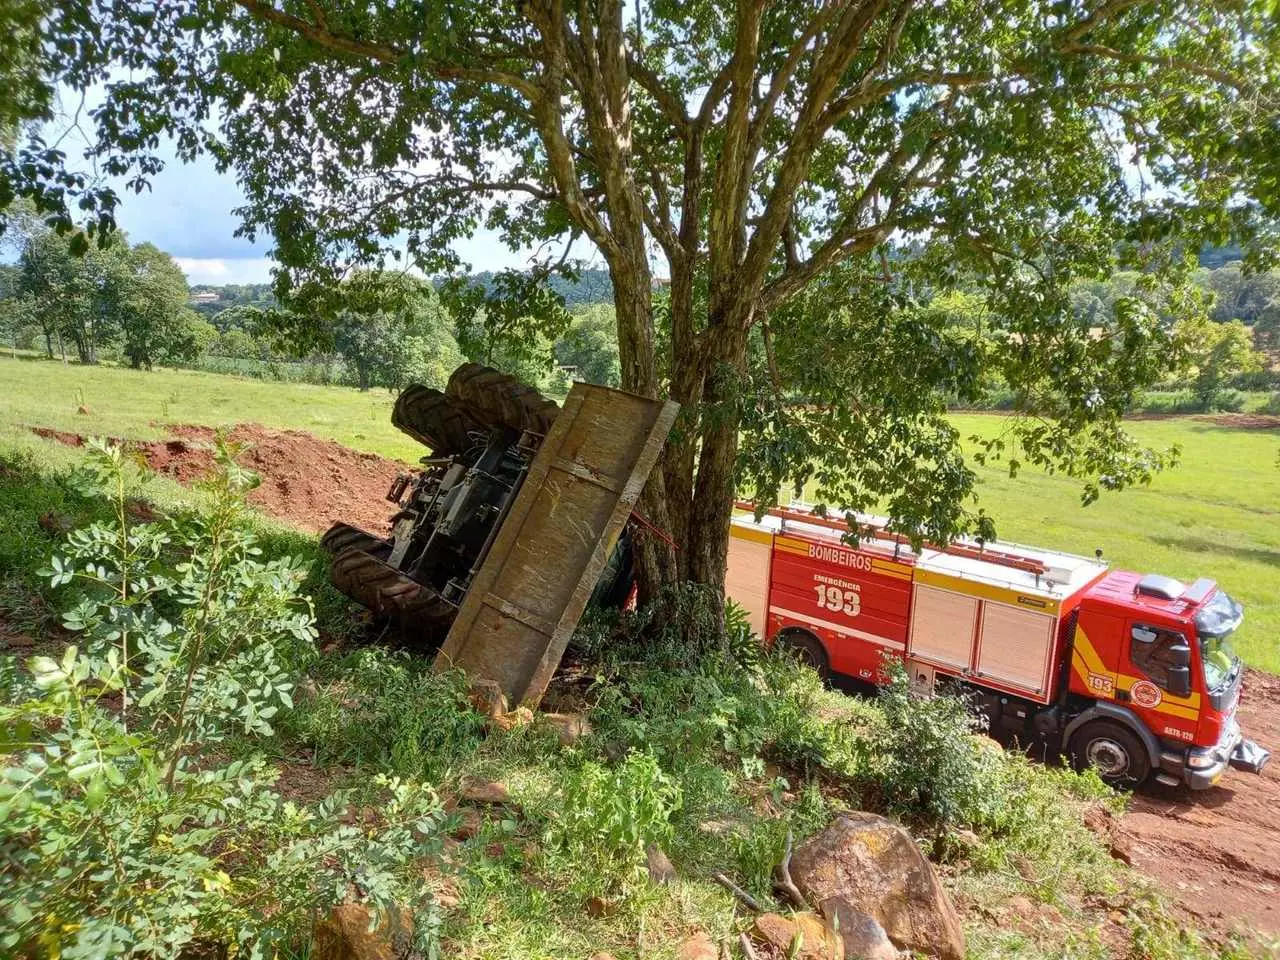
column 932, row 767
column 609, row 815
column 209, row 635
column 105, row 851
column 121, row 832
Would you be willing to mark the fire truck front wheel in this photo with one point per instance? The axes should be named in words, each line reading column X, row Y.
column 808, row 649
column 1114, row 751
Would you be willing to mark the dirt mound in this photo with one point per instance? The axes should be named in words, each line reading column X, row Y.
column 1246, row 421
column 307, row 482
column 1217, row 853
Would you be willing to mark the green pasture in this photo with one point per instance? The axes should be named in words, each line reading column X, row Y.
column 1217, row 514
column 136, row 403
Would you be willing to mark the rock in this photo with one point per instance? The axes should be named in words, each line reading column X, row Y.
column 487, row 698
column 485, row 791
column 569, row 727
column 519, row 717
column 83, row 410
column 468, row 825
column 803, row 936
column 598, row 907
column 661, row 869
column 875, row 867
column 1021, row 907
column 698, row 947
column 602, row 955
column 346, row 935
column 861, row 934
column 55, row 523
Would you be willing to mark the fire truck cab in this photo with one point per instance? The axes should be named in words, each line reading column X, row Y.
column 1133, row 675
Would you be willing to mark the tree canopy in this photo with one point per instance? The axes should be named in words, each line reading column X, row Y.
column 800, row 171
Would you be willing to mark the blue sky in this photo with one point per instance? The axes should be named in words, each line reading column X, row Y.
column 188, row 213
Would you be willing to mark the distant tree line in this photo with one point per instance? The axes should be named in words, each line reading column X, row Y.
column 126, row 301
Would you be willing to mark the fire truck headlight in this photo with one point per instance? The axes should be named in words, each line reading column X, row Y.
column 1201, row 761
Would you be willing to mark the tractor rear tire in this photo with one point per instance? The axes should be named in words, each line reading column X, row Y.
column 435, row 420
column 502, row 399
column 343, row 536
column 389, row 593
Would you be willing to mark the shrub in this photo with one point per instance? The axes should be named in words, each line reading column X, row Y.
column 106, row 851
column 208, row 635
column 932, row 768
column 120, row 831
column 610, row 815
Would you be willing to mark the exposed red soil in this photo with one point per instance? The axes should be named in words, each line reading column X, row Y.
column 1246, row 421
column 1217, row 853
column 307, row 482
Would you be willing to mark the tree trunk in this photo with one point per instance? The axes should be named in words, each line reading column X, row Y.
column 362, row 372
column 633, row 303
column 721, row 416
column 48, row 342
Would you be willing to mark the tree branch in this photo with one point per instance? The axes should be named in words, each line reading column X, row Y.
column 319, row 34
column 670, row 105
column 1168, row 62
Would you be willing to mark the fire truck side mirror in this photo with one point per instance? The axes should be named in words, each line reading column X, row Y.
column 1181, row 655
column 1180, row 681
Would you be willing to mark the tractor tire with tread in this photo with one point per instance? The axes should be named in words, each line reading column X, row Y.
column 435, row 420
column 343, row 536
column 501, row 398
column 389, row 593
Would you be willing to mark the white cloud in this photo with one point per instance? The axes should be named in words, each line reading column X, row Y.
column 218, row 270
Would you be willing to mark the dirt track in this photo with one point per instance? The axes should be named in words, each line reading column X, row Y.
column 1217, row 853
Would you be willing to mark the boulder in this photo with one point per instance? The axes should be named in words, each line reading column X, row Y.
column 802, row 936
column 485, row 791
column 861, row 934
column 350, row 933
column 873, row 865
column 467, row 824
column 487, row 698
column 569, row 727
column 698, row 947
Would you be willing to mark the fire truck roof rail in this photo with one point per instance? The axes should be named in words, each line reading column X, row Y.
column 956, row 548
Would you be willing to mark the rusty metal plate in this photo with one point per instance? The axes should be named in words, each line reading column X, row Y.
column 525, row 601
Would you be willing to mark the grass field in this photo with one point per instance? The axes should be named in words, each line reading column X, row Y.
column 1216, row 515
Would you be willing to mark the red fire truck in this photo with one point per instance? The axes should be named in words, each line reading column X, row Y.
column 1134, row 675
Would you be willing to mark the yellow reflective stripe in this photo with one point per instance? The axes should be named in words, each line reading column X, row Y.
column 987, row 591
column 741, row 531
column 889, row 568
column 1085, row 660
column 788, row 545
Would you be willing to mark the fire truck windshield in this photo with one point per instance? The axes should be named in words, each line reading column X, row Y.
column 1215, row 622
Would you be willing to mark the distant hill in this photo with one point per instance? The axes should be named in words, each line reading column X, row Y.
column 592, row 286
column 208, row 300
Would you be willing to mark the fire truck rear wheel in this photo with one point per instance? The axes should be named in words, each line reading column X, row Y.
column 806, row 648
column 1113, row 750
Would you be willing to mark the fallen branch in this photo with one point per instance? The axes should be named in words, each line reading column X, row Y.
column 750, row 902
column 784, row 881
column 748, row 950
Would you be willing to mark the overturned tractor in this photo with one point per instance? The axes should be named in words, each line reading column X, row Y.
column 561, row 483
